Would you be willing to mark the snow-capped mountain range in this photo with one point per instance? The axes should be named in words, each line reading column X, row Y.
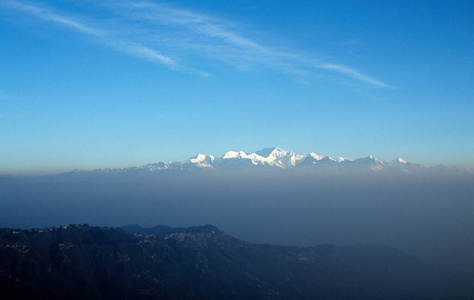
column 273, row 158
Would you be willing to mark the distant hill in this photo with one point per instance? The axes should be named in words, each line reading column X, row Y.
column 84, row 262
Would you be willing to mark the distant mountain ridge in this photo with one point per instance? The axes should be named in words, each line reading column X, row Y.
column 277, row 158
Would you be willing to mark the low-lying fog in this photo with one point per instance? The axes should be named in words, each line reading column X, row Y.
column 430, row 215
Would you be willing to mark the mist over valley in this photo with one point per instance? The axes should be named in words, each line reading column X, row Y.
column 424, row 211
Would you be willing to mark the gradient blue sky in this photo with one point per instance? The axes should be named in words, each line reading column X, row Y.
column 94, row 84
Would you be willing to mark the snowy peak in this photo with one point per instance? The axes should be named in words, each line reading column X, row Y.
column 371, row 162
column 274, row 151
column 201, row 160
column 234, row 154
column 279, row 157
column 312, row 159
column 157, row 166
column 398, row 161
column 315, row 159
column 276, row 157
column 296, row 158
column 314, row 156
column 266, row 157
column 368, row 159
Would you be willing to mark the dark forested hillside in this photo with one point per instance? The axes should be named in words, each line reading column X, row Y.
column 84, row 262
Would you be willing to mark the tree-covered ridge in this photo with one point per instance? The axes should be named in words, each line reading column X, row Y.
column 84, row 262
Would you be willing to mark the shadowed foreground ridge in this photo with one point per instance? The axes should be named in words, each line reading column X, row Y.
column 84, row 262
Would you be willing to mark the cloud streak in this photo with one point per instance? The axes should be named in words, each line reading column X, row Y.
column 351, row 72
column 126, row 46
column 141, row 27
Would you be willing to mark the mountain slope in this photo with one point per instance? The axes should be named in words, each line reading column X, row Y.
column 83, row 262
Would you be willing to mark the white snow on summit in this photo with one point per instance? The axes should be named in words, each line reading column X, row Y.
column 371, row 162
column 398, row 161
column 315, row 157
column 266, row 157
column 201, row 161
column 278, row 158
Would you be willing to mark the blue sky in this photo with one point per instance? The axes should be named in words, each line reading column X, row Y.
column 94, row 84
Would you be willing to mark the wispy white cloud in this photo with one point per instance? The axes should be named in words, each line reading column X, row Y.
column 234, row 47
column 142, row 51
column 198, row 23
column 47, row 14
column 140, row 28
column 130, row 47
column 353, row 73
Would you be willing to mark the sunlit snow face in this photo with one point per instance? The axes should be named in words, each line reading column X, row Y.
column 277, row 157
